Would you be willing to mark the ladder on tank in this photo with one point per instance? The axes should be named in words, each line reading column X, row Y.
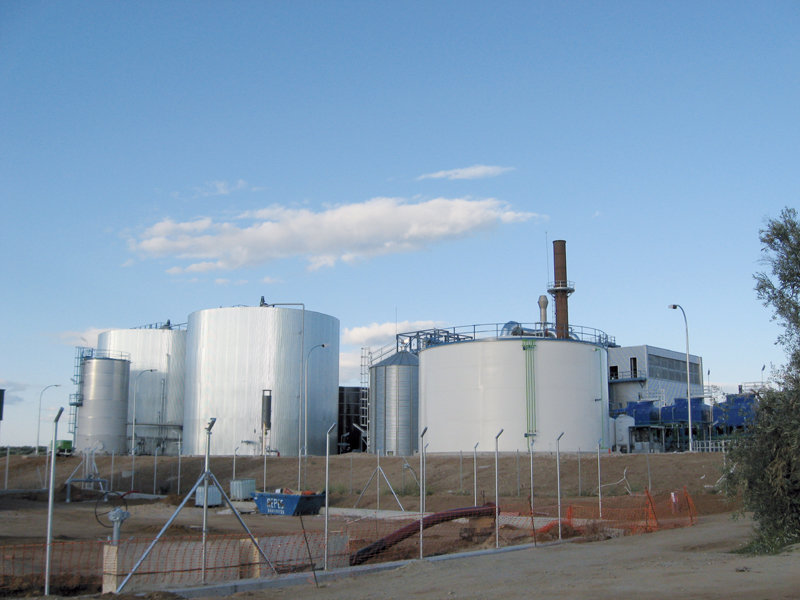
column 76, row 398
column 363, row 403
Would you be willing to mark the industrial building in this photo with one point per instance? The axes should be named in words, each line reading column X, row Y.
column 269, row 375
column 516, row 385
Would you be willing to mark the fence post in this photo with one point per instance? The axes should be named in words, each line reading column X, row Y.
column 155, row 470
column 497, row 490
column 421, row 486
column 460, row 472
column 475, row 473
column 599, row 487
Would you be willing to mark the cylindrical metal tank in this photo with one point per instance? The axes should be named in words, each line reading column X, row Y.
column 237, row 357
column 156, row 383
column 394, row 405
column 103, row 415
column 469, row 391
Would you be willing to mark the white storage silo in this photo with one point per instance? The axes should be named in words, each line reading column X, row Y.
column 237, row 356
column 469, row 391
column 102, row 416
column 394, row 405
column 156, row 386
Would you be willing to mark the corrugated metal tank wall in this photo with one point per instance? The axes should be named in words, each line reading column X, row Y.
column 394, row 405
column 102, row 418
column 471, row 390
column 159, row 394
column 234, row 354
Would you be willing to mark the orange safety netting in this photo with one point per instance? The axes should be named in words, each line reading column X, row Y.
column 81, row 567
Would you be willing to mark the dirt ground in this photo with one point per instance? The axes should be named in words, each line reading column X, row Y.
column 689, row 563
column 692, row 562
column 449, row 481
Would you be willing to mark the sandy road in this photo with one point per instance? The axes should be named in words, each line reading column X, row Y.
column 689, row 563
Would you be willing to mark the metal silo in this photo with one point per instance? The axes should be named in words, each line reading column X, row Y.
column 157, row 355
column 102, row 417
column 239, row 360
column 471, row 390
column 394, row 405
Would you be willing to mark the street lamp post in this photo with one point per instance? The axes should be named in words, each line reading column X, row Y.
column 50, row 504
column 327, row 489
column 304, row 451
column 558, row 481
column 688, row 379
column 497, row 489
column 133, row 427
column 133, row 424
column 39, row 422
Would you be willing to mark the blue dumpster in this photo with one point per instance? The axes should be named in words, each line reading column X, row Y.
column 274, row 503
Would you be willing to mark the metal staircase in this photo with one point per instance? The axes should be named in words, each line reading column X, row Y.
column 363, row 416
column 76, row 398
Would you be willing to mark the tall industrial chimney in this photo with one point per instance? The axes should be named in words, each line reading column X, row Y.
column 561, row 288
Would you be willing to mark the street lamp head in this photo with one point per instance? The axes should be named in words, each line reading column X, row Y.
column 58, row 414
column 211, row 422
column 672, row 306
column 560, row 435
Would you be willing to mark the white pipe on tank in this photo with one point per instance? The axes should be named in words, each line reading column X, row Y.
column 543, row 308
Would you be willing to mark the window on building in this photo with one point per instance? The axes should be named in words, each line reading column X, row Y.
column 671, row 369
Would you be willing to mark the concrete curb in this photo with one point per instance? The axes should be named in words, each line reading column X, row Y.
column 307, row 578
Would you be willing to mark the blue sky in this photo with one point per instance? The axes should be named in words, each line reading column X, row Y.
column 383, row 162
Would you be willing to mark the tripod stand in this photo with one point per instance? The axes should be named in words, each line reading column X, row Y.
column 379, row 473
column 204, row 479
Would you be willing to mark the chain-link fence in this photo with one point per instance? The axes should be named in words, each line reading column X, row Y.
column 375, row 516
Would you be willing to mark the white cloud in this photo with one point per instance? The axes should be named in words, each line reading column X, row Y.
column 87, row 337
column 216, row 187
column 380, row 334
column 350, row 368
column 220, row 188
column 270, row 280
column 224, row 281
column 473, row 172
column 347, row 232
column 13, row 389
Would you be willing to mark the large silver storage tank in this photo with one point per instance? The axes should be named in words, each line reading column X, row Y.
column 471, row 390
column 394, row 405
column 102, row 418
column 239, row 356
column 156, row 386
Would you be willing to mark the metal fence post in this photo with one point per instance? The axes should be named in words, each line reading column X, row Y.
column 497, row 490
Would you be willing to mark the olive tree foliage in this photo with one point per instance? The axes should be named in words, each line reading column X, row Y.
column 766, row 469
column 766, row 456
column 779, row 288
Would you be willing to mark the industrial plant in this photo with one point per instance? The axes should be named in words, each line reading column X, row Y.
column 269, row 375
